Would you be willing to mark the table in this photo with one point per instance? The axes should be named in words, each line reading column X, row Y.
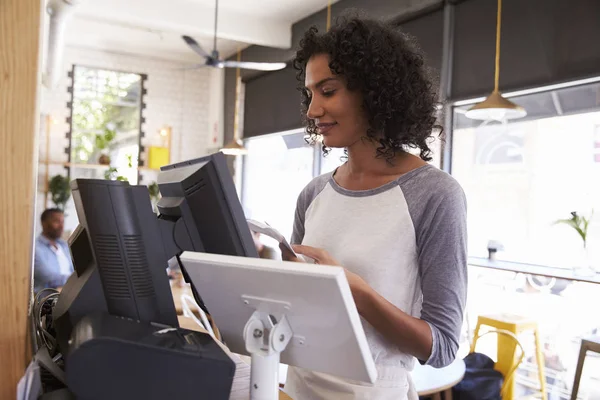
column 241, row 385
column 532, row 269
column 433, row 382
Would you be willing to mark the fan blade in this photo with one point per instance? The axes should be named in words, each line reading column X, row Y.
column 195, row 46
column 258, row 66
column 190, row 67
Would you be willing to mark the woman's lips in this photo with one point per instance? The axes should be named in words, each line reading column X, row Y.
column 325, row 127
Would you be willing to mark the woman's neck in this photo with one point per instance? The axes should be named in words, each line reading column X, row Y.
column 364, row 162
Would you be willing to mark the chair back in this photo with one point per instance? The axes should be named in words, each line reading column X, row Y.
column 509, row 371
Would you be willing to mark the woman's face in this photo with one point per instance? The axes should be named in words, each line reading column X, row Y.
column 336, row 111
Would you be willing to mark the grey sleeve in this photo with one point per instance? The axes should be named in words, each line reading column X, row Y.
column 308, row 194
column 298, row 230
column 442, row 255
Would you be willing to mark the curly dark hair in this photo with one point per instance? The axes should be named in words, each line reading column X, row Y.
column 388, row 68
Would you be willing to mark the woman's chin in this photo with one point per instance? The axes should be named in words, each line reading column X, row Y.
column 331, row 142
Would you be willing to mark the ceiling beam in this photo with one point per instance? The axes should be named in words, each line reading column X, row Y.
column 389, row 10
column 185, row 17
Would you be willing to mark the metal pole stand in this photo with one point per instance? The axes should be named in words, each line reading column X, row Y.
column 265, row 339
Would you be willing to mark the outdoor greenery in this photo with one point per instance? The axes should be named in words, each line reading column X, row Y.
column 106, row 109
column 112, row 174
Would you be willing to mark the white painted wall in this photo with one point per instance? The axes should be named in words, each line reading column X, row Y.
column 190, row 101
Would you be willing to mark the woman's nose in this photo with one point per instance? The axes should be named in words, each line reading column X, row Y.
column 315, row 109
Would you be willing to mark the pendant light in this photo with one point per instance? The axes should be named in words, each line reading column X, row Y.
column 496, row 107
column 236, row 147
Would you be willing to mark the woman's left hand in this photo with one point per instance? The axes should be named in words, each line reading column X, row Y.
column 321, row 256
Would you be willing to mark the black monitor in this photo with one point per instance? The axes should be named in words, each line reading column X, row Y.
column 200, row 210
column 121, row 243
column 111, row 314
column 126, row 247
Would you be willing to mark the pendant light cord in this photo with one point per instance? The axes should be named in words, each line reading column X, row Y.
column 497, row 67
column 216, row 22
column 328, row 15
column 236, row 116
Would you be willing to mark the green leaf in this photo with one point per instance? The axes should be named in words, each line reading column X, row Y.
column 153, row 190
column 578, row 223
column 60, row 190
column 569, row 222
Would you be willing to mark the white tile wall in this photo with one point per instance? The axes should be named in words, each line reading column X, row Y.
column 190, row 101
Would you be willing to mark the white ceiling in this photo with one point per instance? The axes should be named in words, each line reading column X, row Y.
column 286, row 10
column 154, row 27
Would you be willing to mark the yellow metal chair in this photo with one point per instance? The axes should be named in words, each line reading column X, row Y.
column 508, row 327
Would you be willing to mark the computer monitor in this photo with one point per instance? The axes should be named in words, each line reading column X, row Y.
column 82, row 293
column 200, row 210
column 301, row 314
column 126, row 245
column 121, row 242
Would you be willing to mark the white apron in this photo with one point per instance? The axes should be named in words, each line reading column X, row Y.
column 393, row 383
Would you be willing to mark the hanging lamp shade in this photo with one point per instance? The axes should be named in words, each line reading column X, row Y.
column 496, row 107
column 236, row 147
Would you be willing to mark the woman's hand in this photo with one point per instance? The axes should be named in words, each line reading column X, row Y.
column 321, row 256
column 412, row 335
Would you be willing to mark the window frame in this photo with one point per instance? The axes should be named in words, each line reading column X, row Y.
column 448, row 151
column 142, row 119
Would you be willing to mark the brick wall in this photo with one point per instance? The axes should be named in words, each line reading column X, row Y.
column 190, row 101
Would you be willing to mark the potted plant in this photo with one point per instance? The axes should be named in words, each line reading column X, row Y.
column 580, row 225
column 154, row 194
column 60, row 190
column 103, row 141
column 112, row 174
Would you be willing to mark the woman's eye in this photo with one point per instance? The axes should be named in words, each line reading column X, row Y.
column 328, row 93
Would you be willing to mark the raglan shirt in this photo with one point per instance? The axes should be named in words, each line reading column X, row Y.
column 407, row 240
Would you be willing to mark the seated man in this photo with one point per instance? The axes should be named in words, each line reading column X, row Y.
column 52, row 264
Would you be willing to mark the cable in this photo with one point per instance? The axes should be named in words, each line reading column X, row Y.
column 174, row 240
column 187, row 312
column 187, row 279
column 41, row 314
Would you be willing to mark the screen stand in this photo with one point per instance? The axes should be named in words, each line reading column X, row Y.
column 265, row 339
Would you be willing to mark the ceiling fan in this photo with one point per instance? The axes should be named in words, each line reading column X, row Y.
column 213, row 60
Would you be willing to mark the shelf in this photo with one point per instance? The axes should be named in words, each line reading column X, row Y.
column 61, row 163
column 542, row 270
column 91, row 166
column 75, row 165
column 94, row 166
column 86, row 166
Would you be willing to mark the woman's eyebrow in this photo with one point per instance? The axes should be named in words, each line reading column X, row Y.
column 322, row 82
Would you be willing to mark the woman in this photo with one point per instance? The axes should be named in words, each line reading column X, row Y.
column 396, row 224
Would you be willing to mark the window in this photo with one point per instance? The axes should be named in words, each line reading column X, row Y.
column 519, row 177
column 274, row 173
column 105, row 124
